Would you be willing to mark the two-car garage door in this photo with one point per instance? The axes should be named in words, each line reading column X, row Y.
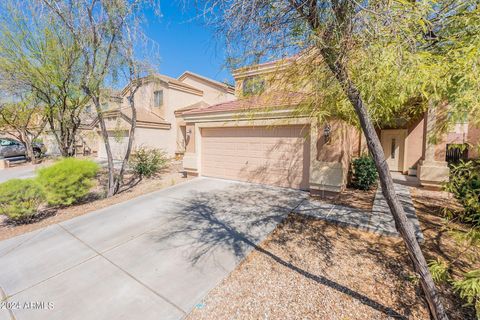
column 277, row 155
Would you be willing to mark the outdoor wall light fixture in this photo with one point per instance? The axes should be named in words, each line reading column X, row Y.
column 327, row 132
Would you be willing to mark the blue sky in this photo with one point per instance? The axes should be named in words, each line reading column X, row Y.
column 185, row 43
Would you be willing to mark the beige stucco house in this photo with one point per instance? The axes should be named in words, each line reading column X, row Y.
column 263, row 138
column 157, row 102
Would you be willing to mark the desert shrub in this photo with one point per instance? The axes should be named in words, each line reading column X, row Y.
column 146, row 162
column 464, row 183
column 469, row 289
column 68, row 180
column 20, row 199
column 439, row 270
column 364, row 173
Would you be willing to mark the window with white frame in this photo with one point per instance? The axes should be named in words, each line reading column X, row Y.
column 158, row 98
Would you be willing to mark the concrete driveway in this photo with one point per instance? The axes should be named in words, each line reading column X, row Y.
column 154, row 257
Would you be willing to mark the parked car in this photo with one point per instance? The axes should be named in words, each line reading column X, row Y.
column 10, row 148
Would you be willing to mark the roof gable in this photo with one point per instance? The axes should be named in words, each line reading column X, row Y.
column 214, row 83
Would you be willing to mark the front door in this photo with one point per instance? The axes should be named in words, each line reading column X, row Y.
column 393, row 142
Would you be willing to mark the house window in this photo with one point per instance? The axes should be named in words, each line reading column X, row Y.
column 392, row 155
column 253, row 86
column 88, row 109
column 104, row 106
column 158, row 98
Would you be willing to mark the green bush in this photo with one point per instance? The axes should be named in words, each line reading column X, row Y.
column 464, row 183
column 365, row 173
column 68, row 180
column 439, row 270
column 146, row 162
column 20, row 199
column 469, row 289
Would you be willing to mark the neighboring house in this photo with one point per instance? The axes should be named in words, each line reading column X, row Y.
column 157, row 101
column 263, row 138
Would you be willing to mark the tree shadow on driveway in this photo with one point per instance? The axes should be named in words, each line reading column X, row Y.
column 236, row 219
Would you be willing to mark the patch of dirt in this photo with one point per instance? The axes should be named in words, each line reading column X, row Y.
column 441, row 243
column 94, row 201
column 310, row 269
column 354, row 198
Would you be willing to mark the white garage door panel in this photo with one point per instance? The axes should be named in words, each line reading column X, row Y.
column 272, row 155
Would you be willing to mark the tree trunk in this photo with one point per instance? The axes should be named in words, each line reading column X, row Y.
column 402, row 223
column 29, row 148
column 64, row 135
column 27, row 143
column 63, row 146
column 131, row 137
column 103, row 129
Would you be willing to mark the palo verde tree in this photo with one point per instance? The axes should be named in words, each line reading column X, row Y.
column 367, row 62
column 22, row 118
column 107, row 32
column 38, row 54
column 453, row 47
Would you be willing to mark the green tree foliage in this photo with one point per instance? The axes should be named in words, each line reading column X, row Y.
column 464, row 183
column 38, row 57
column 108, row 52
column 24, row 119
column 469, row 289
column 403, row 56
column 20, row 199
column 365, row 175
column 67, row 181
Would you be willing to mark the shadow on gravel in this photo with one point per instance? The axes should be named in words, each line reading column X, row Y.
column 238, row 219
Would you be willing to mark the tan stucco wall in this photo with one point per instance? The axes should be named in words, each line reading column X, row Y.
column 190, row 141
column 343, row 145
column 211, row 94
column 153, row 138
column 414, row 144
column 473, row 138
column 144, row 98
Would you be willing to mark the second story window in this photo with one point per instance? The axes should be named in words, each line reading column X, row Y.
column 253, row 86
column 104, row 106
column 158, row 95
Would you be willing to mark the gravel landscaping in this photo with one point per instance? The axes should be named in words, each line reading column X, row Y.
column 310, row 269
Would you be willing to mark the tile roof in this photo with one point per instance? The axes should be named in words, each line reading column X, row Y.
column 271, row 100
column 145, row 118
column 174, row 81
column 166, row 79
column 198, row 105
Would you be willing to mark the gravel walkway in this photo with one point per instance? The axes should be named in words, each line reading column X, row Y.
column 379, row 220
